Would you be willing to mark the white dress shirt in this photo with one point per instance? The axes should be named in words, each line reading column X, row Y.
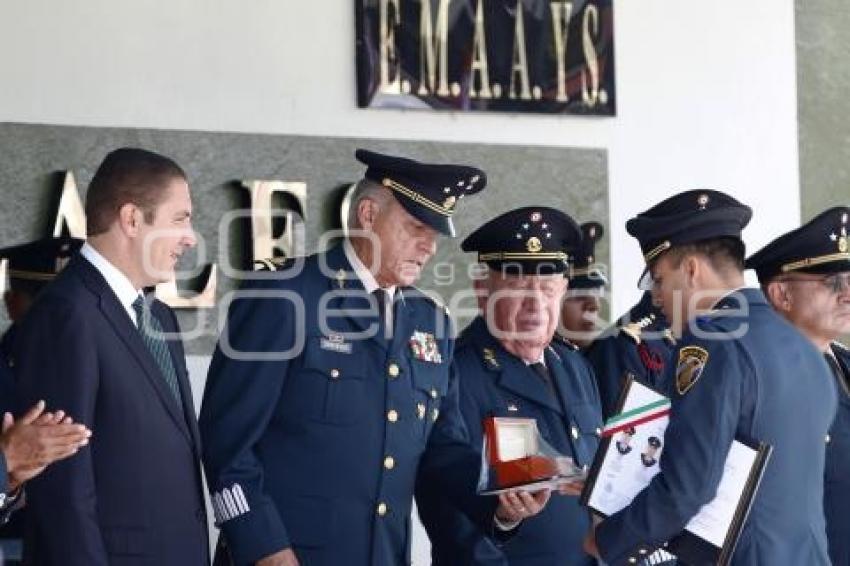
column 117, row 281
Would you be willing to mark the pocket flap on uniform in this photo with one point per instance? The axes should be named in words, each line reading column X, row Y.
column 125, row 541
column 431, row 378
column 586, row 417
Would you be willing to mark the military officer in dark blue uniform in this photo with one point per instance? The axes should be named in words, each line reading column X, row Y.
column 330, row 392
column 805, row 274
column 742, row 371
column 580, row 322
column 30, row 267
column 638, row 346
column 509, row 366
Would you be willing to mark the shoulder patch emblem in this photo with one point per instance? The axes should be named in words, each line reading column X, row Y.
column 692, row 360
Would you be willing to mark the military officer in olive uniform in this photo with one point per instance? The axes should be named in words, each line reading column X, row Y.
column 509, row 366
column 742, row 371
column 805, row 274
column 330, row 391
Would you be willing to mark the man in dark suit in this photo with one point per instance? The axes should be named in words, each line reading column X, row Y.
column 94, row 345
column 805, row 275
column 331, row 392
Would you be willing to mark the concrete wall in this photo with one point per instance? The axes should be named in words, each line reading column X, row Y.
column 823, row 50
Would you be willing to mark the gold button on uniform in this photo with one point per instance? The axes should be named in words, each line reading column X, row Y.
column 334, row 373
column 632, row 560
column 393, row 370
column 642, row 551
column 382, row 509
column 389, row 462
column 574, row 432
column 392, row 415
column 435, row 413
column 433, row 394
column 828, row 438
column 420, row 410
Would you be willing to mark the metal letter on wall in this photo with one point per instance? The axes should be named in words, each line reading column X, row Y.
column 291, row 242
column 70, row 212
column 544, row 56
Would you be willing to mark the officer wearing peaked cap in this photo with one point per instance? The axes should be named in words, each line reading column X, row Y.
column 731, row 380
column 30, row 267
column 509, row 366
column 805, row 274
column 330, row 392
column 580, row 322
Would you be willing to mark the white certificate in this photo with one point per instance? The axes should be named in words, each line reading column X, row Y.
column 628, row 461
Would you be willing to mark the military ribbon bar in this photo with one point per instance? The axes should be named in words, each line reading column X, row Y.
column 637, row 416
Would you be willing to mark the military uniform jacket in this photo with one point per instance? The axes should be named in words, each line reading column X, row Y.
column 763, row 381
column 836, row 493
column 318, row 449
column 495, row 383
column 615, row 356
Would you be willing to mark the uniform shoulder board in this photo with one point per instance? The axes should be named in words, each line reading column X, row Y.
column 634, row 329
column 271, row 264
column 843, row 347
column 558, row 338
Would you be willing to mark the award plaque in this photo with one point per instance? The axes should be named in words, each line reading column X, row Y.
column 515, row 456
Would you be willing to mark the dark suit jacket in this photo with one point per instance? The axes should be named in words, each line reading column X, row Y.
column 134, row 495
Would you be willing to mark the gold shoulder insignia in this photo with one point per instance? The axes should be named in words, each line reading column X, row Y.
column 270, row 264
column 634, row 329
column 841, row 346
column 692, row 360
column 490, row 358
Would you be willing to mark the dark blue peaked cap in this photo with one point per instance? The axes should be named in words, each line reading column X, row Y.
column 584, row 273
column 687, row 218
column 429, row 192
column 821, row 245
column 529, row 240
column 40, row 260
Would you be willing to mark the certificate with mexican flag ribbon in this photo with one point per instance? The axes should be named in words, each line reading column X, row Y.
column 627, row 460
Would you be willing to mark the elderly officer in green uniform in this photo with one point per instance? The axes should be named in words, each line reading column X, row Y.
column 805, row 275
column 743, row 372
column 509, row 366
column 331, row 390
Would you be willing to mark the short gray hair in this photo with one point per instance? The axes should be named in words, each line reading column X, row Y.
column 366, row 189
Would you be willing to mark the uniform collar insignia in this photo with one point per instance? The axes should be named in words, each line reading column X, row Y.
column 490, row 358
